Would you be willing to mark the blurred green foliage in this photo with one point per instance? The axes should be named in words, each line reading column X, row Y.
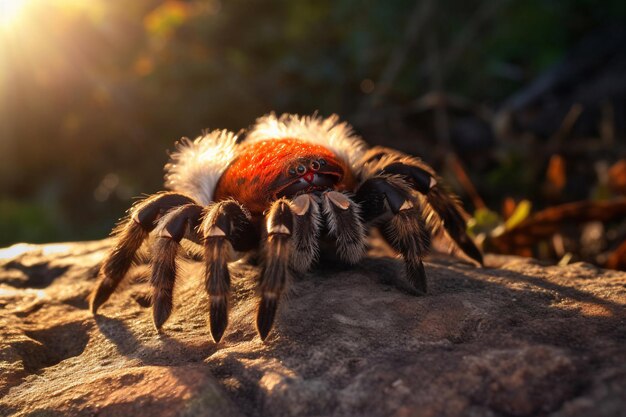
column 93, row 93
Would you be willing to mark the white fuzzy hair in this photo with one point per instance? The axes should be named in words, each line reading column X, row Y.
column 196, row 166
column 337, row 136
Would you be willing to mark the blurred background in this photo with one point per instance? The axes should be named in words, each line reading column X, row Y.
column 520, row 105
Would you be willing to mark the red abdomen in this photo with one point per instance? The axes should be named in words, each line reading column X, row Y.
column 251, row 178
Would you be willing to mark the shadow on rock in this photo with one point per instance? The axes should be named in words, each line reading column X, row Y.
column 168, row 351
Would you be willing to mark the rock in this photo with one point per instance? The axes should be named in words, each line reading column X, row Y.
column 513, row 339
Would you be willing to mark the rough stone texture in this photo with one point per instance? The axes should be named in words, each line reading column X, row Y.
column 517, row 340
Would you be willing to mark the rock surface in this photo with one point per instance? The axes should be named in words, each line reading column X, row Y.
column 513, row 339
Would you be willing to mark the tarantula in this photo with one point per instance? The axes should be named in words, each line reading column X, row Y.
column 290, row 183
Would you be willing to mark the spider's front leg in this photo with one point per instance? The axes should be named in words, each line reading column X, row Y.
column 292, row 241
column 130, row 236
column 278, row 249
column 405, row 230
column 422, row 178
column 226, row 228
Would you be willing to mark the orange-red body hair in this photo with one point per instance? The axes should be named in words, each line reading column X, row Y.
column 249, row 178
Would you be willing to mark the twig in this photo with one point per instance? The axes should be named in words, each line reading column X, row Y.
column 452, row 101
column 547, row 222
column 568, row 123
column 465, row 181
column 442, row 122
column 419, row 16
column 466, row 36
column 607, row 123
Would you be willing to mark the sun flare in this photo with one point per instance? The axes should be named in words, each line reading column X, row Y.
column 10, row 11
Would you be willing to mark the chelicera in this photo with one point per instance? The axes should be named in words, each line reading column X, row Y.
column 290, row 183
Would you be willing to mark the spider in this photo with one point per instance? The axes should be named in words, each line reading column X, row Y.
column 289, row 184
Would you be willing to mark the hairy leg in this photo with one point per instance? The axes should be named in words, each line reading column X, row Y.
column 422, row 178
column 172, row 227
column 407, row 233
column 129, row 236
column 277, row 251
column 405, row 228
column 226, row 227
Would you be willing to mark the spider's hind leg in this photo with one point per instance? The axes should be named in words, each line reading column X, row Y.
column 130, row 236
column 421, row 178
column 448, row 209
column 405, row 230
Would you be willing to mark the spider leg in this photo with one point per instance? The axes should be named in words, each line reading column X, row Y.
column 307, row 225
column 422, row 178
column 172, row 227
column 405, row 230
column 345, row 224
column 130, row 235
column 278, row 251
column 226, row 226
column 448, row 209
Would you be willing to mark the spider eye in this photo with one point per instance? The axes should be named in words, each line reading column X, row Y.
column 322, row 162
column 292, row 171
column 301, row 169
column 315, row 165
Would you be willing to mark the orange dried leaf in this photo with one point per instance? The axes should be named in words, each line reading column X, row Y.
column 508, row 207
column 617, row 177
column 617, row 258
column 556, row 174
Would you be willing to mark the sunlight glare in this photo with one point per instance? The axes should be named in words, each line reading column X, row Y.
column 10, row 11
